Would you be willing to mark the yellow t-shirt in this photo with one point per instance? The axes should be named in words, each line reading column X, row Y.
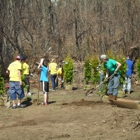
column 53, row 68
column 25, row 68
column 59, row 72
column 13, row 68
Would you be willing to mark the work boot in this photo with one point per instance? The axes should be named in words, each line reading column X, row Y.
column 114, row 97
column 110, row 96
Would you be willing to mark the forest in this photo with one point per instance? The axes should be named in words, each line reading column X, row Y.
column 75, row 27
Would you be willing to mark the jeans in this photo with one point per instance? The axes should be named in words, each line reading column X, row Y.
column 16, row 89
column 113, row 85
column 53, row 78
column 127, row 84
column 101, row 79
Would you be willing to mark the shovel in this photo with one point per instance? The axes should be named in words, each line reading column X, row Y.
column 90, row 91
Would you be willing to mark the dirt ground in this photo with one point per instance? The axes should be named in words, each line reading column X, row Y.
column 70, row 116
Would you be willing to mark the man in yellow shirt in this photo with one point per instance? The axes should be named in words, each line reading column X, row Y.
column 25, row 68
column 53, row 73
column 15, row 82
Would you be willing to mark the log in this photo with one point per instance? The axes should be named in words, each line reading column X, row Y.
column 126, row 103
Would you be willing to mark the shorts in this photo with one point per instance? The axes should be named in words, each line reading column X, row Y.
column 15, row 90
column 45, row 87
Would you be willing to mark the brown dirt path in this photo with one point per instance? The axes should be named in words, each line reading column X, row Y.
column 70, row 116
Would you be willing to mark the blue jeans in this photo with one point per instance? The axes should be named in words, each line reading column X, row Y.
column 113, row 85
column 127, row 84
column 53, row 78
column 16, row 89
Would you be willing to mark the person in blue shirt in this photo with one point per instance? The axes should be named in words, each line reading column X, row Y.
column 129, row 70
column 45, row 82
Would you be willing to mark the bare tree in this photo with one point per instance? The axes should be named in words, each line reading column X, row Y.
column 80, row 28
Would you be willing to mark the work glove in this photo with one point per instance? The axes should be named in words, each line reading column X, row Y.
column 106, row 79
column 32, row 74
column 115, row 72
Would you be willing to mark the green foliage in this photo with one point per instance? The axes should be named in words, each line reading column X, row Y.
column 138, row 67
column 87, row 70
column 2, row 88
column 123, row 67
column 23, row 79
column 95, row 73
column 68, row 70
column 91, row 72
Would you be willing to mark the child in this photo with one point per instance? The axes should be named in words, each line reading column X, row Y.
column 59, row 76
column 25, row 67
column 45, row 82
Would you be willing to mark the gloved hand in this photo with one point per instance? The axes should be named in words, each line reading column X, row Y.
column 31, row 74
column 115, row 72
column 106, row 79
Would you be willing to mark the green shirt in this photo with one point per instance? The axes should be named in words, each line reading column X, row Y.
column 111, row 66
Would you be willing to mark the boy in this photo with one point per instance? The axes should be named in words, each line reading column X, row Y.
column 15, row 83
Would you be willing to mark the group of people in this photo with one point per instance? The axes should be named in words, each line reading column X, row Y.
column 113, row 76
column 20, row 68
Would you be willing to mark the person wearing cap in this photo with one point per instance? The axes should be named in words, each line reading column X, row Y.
column 15, row 83
column 53, row 73
column 112, row 71
column 25, row 71
column 129, row 70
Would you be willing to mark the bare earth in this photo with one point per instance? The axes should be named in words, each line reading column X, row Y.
column 70, row 116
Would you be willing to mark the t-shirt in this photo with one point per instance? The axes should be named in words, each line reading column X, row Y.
column 13, row 68
column 53, row 68
column 129, row 67
column 59, row 72
column 111, row 65
column 25, row 67
column 44, row 74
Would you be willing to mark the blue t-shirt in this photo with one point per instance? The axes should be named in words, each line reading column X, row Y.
column 129, row 67
column 44, row 74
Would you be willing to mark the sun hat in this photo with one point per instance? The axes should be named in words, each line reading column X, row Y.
column 103, row 56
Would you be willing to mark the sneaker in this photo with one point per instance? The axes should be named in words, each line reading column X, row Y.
column 21, row 106
column 14, row 107
column 128, row 92
column 43, row 103
column 29, row 93
column 51, row 90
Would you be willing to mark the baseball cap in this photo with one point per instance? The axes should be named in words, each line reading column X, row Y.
column 18, row 57
column 103, row 56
